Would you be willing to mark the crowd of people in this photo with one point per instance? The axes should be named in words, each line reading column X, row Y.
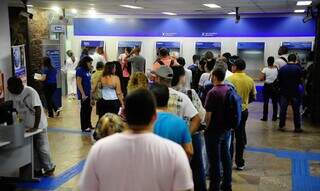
column 171, row 129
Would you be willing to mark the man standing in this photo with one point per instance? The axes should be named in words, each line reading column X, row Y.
column 289, row 80
column 138, row 63
column 29, row 107
column 169, row 125
column 137, row 159
column 283, row 57
column 247, row 90
column 218, row 134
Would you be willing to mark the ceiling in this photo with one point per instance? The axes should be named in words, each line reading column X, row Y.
column 181, row 7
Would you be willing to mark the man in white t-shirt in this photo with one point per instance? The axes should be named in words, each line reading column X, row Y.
column 137, row 159
column 29, row 107
column 179, row 103
column 283, row 57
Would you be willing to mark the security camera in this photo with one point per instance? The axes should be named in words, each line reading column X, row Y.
column 26, row 14
column 309, row 15
column 237, row 15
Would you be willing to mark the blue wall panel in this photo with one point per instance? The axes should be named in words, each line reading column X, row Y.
column 177, row 27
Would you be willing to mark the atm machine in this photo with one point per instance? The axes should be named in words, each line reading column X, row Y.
column 203, row 47
column 253, row 54
column 173, row 47
column 302, row 49
column 91, row 45
column 122, row 45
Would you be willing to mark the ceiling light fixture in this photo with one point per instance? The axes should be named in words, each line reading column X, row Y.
column 91, row 4
column 169, row 13
column 212, row 6
column 299, row 11
column 56, row 8
column 304, row 3
column 131, row 7
column 92, row 12
column 232, row 13
column 74, row 11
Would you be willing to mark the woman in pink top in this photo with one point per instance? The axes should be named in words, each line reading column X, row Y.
column 124, row 65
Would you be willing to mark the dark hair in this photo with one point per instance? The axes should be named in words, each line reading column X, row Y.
column 139, row 107
column 181, row 61
column 270, row 61
column 100, row 65
column 84, row 62
column 108, row 69
column 178, row 71
column 210, row 64
column 118, row 71
column 161, row 93
column 209, row 55
column 15, row 85
column 240, row 64
column 46, row 62
column 292, row 58
column 85, row 51
column 129, row 49
column 282, row 50
column 227, row 55
column 196, row 58
column 163, row 52
column 219, row 72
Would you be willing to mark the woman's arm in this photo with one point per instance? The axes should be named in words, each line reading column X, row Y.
column 80, row 87
column 262, row 77
column 119, row 91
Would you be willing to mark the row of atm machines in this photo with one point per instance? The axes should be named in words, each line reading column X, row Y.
column 252, row 52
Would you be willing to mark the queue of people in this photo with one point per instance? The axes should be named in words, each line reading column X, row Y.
column 202, row 110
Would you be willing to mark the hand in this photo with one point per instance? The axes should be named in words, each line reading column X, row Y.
column 30, row 130
column 93, row 102
column 84, row 97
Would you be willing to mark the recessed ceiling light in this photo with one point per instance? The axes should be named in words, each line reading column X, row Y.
column 30, row 6
column 212, row 5
column 74, row 11
column 56, row 8
column 232, row 13
column 91, row 4
column 299, row 11
column 304, row 3
column 109, row 20
column 169, row 13
column 131, row 7
column 92, row 12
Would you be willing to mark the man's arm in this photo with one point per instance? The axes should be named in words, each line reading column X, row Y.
column 195, row 123
column 189, row 149
column 208, row 118
column 37, row 115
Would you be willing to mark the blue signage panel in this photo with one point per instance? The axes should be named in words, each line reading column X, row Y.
column 298, row 45
column 208, row 45
column 250, row 45
column 289, row 26
column 54, row 56
column 167, row 44
column 92, row 43
column 132, row 44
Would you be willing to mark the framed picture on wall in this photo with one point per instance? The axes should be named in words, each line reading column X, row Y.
column 19, row 62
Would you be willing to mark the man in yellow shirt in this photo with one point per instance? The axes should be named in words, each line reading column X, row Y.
column 246, row 89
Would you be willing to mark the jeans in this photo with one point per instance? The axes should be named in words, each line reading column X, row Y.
column 42, row 158
column 49, row 90
column 107, row 106
column 269, row 93
column 241, row 139
column 197, row 163
column 295, row 103
column 85, row 114
column 219, row 152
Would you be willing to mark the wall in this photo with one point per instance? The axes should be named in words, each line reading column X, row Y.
column 5, row 53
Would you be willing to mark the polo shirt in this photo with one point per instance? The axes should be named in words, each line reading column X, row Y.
column 289, row 79
column 85, row 75
column 245, row 87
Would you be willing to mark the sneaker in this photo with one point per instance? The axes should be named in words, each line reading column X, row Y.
column 87, row 130
column 38, row 173
column 58, row 111
column 240, row 168
column 264, row 119
column 298, row 130
column 50, row 172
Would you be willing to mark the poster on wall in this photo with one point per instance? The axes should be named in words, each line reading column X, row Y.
column 19, row 62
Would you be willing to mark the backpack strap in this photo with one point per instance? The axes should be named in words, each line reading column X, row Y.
column 189, row 93
column 284, row 59
column 171, row 63
column 160, row 62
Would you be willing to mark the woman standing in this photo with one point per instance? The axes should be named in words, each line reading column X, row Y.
column 112, row 97
column 70, row 68
column 270, row 89
column 49, row 78
column 84, row 92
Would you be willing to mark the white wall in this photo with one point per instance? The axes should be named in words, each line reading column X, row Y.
column 5, row 49
column 187, row 44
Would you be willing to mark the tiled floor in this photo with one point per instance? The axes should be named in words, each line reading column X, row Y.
column 267, row 169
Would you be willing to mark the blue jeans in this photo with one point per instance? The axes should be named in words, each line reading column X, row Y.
column 295, row 103
column 218, row 148
column 197, row 163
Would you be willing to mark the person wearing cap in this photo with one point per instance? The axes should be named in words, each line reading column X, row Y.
column 179, row 103
column 247, row 90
